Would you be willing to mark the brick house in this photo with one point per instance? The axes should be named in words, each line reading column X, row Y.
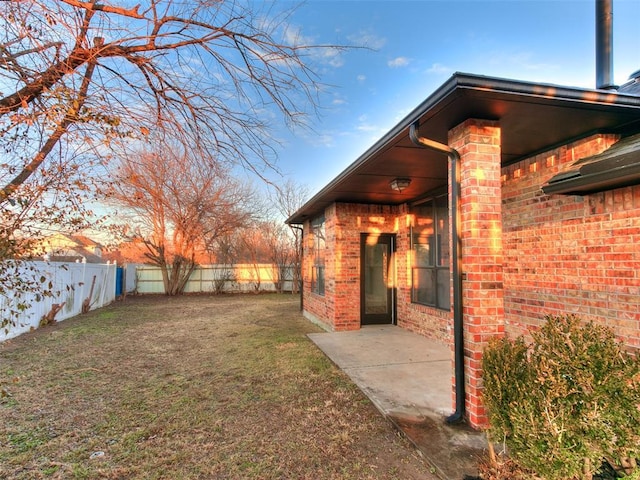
column 493, row 203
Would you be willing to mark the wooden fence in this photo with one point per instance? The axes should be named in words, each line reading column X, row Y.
column 236, row 278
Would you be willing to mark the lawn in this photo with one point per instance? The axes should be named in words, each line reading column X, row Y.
column 195, row 387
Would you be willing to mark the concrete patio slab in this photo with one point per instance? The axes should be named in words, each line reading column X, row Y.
column 408, row 378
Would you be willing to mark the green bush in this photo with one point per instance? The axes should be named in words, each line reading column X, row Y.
column 565, row 402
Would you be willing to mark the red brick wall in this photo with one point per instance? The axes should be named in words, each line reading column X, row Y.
column 478, row 143
column 427, row 321
column 339, row 308
column 352, row 220
column 567, row 253
column 524, row 254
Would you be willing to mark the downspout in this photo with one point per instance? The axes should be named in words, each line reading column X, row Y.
column 300, row 282
column 458, row 341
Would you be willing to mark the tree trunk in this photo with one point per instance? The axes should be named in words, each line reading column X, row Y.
column 176, row 275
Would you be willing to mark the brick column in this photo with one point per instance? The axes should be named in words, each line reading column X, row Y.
column 478, row 142
column 346, row 267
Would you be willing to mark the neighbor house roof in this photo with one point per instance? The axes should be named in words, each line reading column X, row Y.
column 83, row 241
column 66, row 247
column 533, row 118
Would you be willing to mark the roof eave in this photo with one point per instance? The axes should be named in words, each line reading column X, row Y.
column 444, row 90
column 464, row 81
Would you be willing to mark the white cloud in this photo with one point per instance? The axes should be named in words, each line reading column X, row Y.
column 524, row 60
column 324, row 55
column 364, row 125
column 361, row 78
column 368, row 40
column 439, row 69
column 398, row 62
column 317, row 139
column 293, row 36
column 324, row 140
column 331, row 56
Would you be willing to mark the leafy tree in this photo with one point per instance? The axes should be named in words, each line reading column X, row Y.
column 46, row 205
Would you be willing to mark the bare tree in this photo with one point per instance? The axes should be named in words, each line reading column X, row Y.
column 213, row 73
column 82, row 81
column 253, row 251
column 287, row 199
column 281, row 252
column 181, row 205
column 266, row 242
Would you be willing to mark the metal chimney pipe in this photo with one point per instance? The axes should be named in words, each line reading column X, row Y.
column 604, row 45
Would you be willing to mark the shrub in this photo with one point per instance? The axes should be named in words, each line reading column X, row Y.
column 566, row 401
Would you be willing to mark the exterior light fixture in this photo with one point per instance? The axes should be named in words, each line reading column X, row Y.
column 399, row 184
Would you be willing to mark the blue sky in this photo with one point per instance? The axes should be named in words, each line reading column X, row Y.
column 415, row 46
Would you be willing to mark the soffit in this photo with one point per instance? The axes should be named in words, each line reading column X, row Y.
column 532, row 117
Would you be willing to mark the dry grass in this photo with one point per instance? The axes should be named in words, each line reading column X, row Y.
column 184, row 388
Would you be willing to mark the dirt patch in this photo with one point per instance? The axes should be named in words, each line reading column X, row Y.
column 202, row 387
column 451, row 448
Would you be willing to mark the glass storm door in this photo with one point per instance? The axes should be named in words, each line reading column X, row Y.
column 377, row 293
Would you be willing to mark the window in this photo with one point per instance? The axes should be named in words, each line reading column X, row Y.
column 430, row 279
column 319, row 248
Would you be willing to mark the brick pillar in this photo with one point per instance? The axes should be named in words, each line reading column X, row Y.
column 346, row 267
column 478, row 142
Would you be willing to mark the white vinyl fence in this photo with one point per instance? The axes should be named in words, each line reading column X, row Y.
column 236, row 278
column 73, row 284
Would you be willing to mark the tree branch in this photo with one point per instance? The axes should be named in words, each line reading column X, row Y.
column 131, row 12
column 69, row 118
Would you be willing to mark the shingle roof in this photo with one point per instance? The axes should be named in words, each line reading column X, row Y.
column 618, row 166
column 632, row 87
